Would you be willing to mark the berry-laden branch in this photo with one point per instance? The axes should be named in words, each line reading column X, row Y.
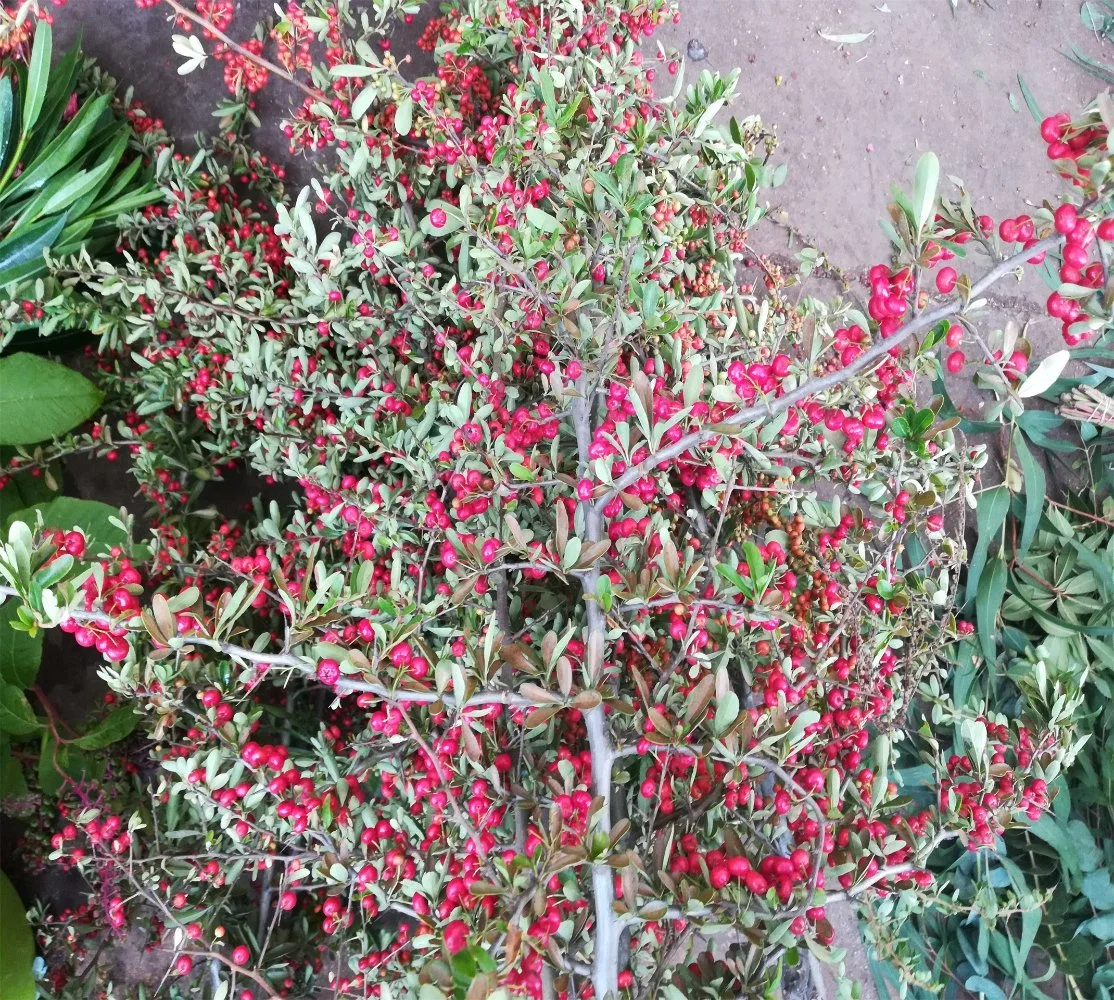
column 184, row 12
column 772, row 407
column 308, row 667
column 605, row 959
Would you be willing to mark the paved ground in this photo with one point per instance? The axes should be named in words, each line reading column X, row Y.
column 852, row 118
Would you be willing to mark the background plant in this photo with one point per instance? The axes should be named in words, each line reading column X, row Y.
column 68, row 165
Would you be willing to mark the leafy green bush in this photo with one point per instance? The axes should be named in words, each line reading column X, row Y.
column 68, row 169
column 1040, row 905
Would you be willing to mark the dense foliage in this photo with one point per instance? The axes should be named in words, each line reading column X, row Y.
column 68, row 167
column 588, row 593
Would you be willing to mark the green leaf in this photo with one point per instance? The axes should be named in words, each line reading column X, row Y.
column 988, row 601
column 7, row 113
column 1030, row 100
column 727, row 711
column 604, row 592
column 61, row 151
column 1035, row 487
column 41, row 399
column 13, row 784
column 16, row 715
column 20, row 655
column 362, row 102
column 651, row 294
column 986, row 988
column 16, row 979
column 91, row 516
column 25, row 252
column 1101, row 927
column 58, row 762
column 404, row 116
column 924, row 192
column 111, row 729
column 23, row 489
column 993, row 504
column 37, row 73
column 542, row 219
column 1098, row 889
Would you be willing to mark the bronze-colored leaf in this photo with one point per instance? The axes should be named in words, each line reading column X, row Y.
column 514, row 943
column 480, row 988
column 555, row 822
column 564, row 674
column 670, row 560
column 463, row 589
column 164, row 617
column 517, row 656
column 640, row 683
column 540, row 716
column 593, row 656
column 152, row 627
column 472, row 747
column 591, row 554
column 659, row 721
column 562, row 537
column 358, row 659
column 487, row 889
column 538, row 695
column 549, row 647
column 587, row 700
column 516, row 530
column 700, row 698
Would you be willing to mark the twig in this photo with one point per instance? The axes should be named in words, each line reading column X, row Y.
column 771, row 408
column 189, row 15
column 605, row 957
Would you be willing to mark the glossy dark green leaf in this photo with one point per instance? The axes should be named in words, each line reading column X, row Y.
column 993, row 504
column 1035, row 486
column 92, row 517
column 26, row 251
column 7, row 114
column 16, row 715
column 62, row 150
column 988, row 602
column 111, row 729
column 37, row 72
column 41, row 399
column 63, row 80
column 17, row 982
column 20, row 654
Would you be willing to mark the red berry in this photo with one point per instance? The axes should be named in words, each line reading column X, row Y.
column 956, row 361
column 1065, row 217
column 946, row 279
column 456, row 936
column 241, row 954
column 328, row 672
column 183, row 965
column 74, row 543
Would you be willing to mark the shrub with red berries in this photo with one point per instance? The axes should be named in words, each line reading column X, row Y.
column 589, row 591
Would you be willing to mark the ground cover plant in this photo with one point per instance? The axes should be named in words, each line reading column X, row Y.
column 571, row 642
